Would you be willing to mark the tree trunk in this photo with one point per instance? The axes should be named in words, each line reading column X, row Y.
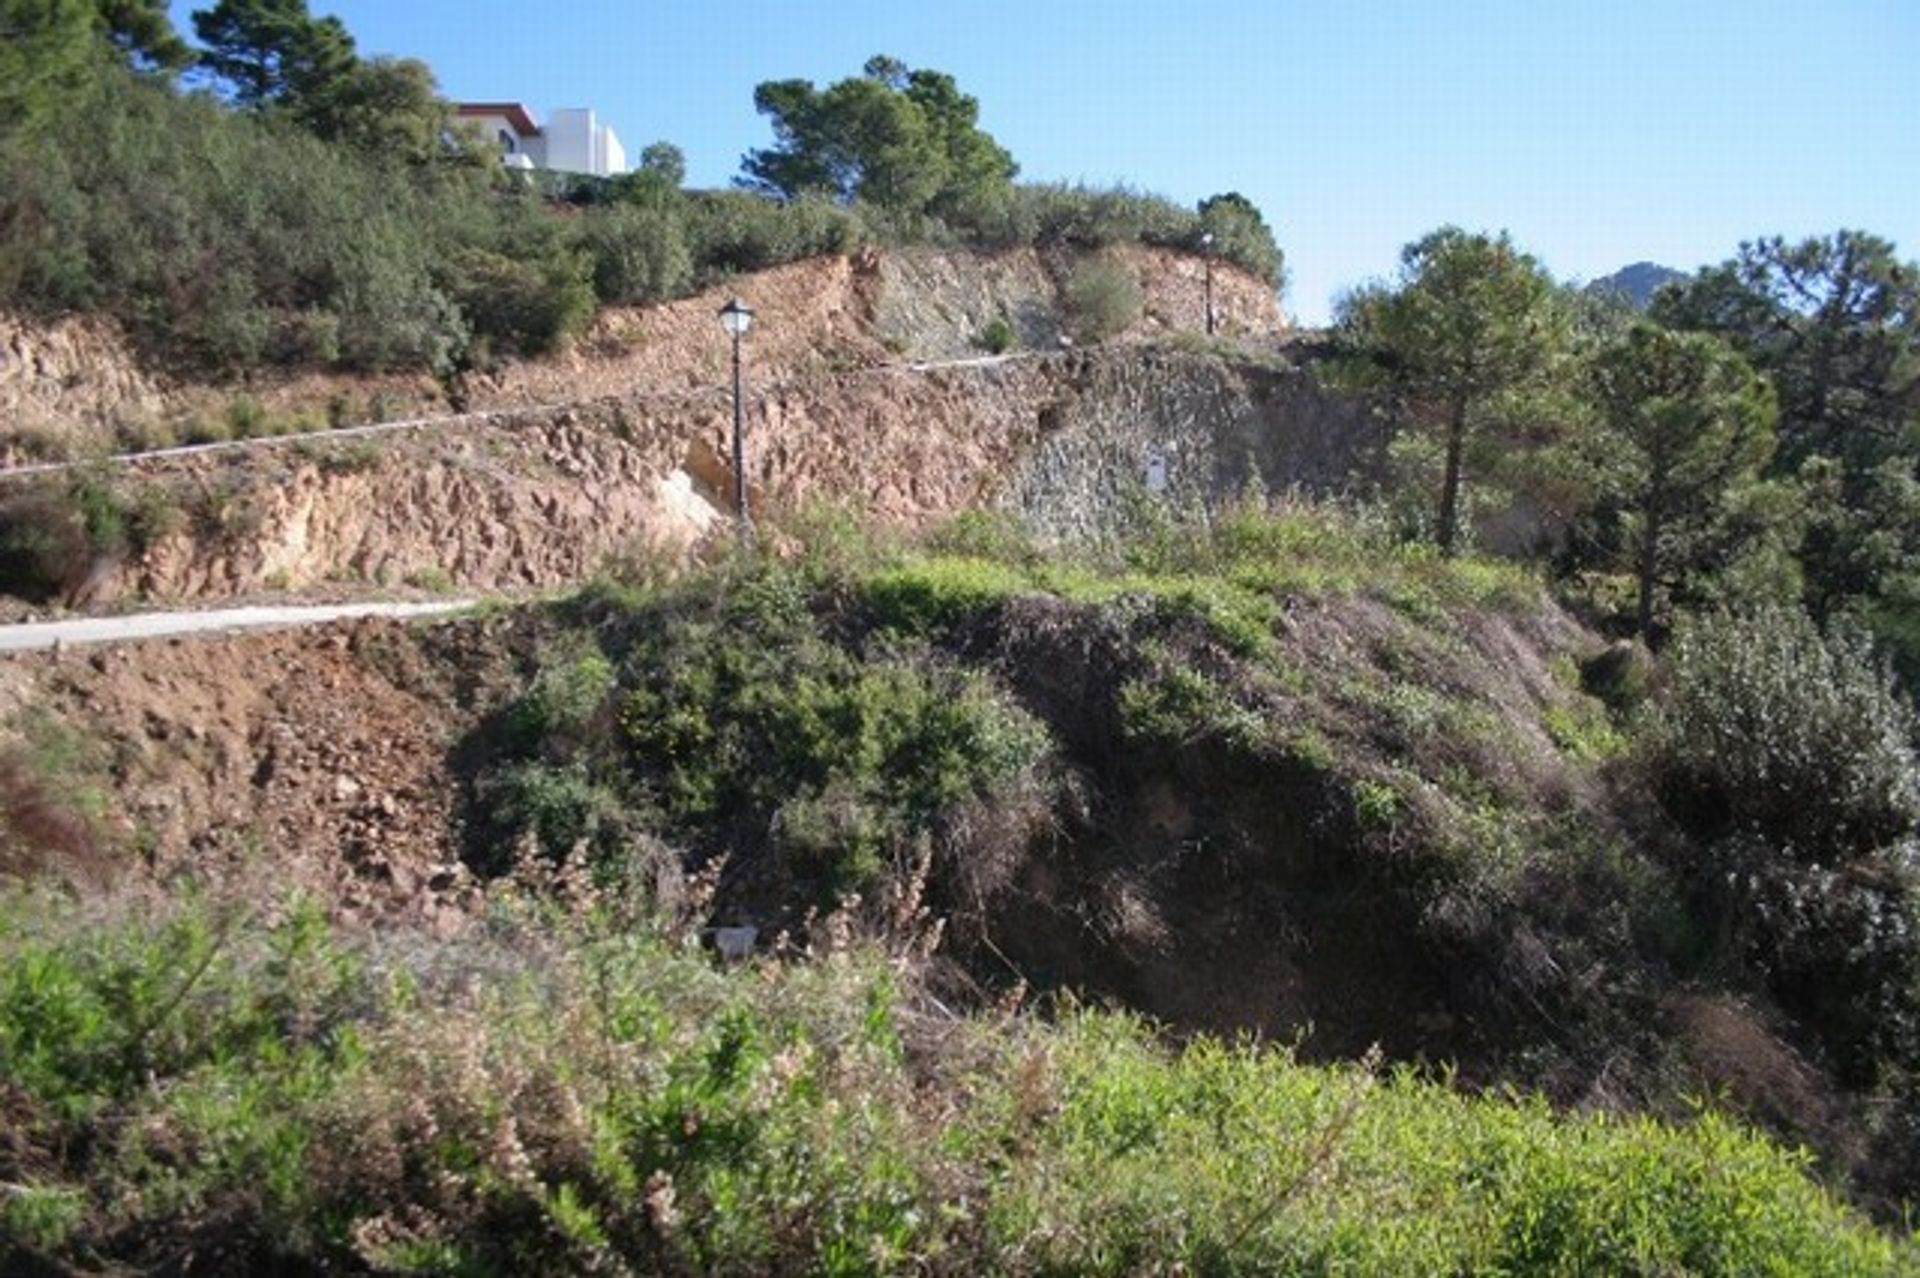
column 1450, row 486
column 1649, row 565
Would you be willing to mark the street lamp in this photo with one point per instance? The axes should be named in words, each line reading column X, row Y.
column 1206, row 255
column 737, row 317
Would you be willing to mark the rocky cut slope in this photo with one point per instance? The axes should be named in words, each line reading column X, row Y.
column 536, row 498
column 75, row 388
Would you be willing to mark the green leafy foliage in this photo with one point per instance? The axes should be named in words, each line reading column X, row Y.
column 46, row 58
column 1834, row 324
column 1103, row 300
column 136, row 198
column 905, row 141
column 998, row 337
column 142, row 32
column 1771, row 729
column 1241, row 235
column 1474, row 327
column 1686, row 423
column 284, row 1096
column 274, row 53
column 743, row 714
column 339, row 219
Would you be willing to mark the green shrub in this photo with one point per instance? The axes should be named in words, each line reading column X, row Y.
column 245, row 418
column 998, row 337
column 562, row 805
column 748, row 718
column 569, row 689
column 1769, row 728
column 335, row 255
column 639, row 253
column 222, row 241
column 528, row 307
column 1103, row 299
column 195, row 1084
column 54, row 532
column 732, row 232
column 985, row 534
column 1841, row 949
column 934, row 594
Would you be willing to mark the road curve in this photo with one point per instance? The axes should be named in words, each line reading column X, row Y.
column 41, row 635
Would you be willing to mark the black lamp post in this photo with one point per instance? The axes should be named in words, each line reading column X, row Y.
column 1206, row 255
column 737, row 317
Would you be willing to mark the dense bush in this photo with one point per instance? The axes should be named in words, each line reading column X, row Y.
column 640, row 253
column 1772, row 729
column 530, row 307
column 55, row 532
column 747, row 716
column 1103, row 299
column 733, row 231
column 739, row 720
column 1790, row 753
column 188, row 1086
column 1841, row 948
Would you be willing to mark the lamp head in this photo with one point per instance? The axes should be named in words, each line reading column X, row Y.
column 736, row 317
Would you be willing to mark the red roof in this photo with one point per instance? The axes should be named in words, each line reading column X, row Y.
column 518, row 116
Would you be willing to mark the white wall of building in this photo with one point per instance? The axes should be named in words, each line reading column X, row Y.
column 572, row 141
column 578, row 143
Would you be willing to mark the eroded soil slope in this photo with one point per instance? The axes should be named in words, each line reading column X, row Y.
column 77, row 388
column 320, row 759
column 539, row 498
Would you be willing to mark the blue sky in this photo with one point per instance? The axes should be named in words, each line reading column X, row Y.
column 1599, row 133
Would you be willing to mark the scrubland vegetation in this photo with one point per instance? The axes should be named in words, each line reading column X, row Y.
column 324, row 211
column 867, row 748
column 573, row 1092
column 1497, row 822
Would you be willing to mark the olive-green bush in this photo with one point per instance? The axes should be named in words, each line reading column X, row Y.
column 1771, row 729
column 1103, row 299
column 566, row 1094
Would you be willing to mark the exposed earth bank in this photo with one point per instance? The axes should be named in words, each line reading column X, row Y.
column 536, row 498
column 76, row 387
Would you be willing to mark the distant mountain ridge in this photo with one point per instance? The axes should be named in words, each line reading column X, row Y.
column 1637, row 283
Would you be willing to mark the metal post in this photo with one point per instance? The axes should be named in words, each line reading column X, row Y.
column 1209, row 261
column 740, row 449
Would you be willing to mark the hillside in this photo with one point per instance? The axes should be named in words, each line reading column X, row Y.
column 79, row 388
column 1636, row 284
column 1143, row 790
column 1280, row 779
column 620, row 445
column 979, row 713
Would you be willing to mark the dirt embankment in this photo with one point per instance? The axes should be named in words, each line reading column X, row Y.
column 542, row 498
column 76, row 387
column 318, row 759
column 1185, row 879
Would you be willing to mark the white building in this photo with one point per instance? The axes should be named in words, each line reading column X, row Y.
column 571, row 141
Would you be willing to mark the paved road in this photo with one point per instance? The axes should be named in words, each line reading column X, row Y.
column 39, row 635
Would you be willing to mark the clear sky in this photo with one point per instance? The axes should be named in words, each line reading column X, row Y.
column 1599, row 132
